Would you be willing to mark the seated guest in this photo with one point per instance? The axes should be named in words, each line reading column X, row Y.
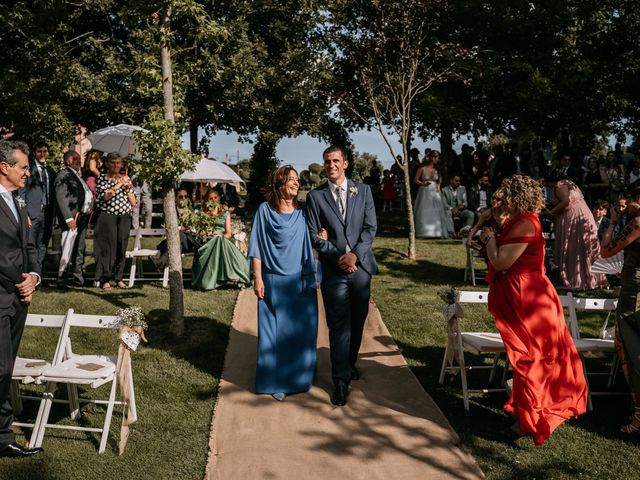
column 219, row 261
column 479, row 195
column 600, row 211
column 188, row 243
column 73, row 206
column 229, row 197
column 454, row 197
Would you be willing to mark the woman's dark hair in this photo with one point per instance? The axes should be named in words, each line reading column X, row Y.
column 275, row 188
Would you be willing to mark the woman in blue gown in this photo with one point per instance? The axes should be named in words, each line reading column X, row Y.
column 285, row 283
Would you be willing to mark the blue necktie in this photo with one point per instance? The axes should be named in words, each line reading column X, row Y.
column 8, row 198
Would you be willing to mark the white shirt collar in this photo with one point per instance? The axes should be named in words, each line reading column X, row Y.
column 343, row 185
column 3, row 189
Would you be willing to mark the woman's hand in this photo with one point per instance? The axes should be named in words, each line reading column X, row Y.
column 487, row 234
column 258, row 288
column 323, row 234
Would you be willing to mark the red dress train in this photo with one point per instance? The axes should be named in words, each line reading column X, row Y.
column 548, row 379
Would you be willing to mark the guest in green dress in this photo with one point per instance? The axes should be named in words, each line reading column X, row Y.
column 219, row 262
column 627, row 313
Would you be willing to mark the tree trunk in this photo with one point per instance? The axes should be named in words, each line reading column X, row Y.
column 176, row 288
column 193, row 136
column 411, row 251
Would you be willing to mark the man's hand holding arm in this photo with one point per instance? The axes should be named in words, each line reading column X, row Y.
column 324, row 247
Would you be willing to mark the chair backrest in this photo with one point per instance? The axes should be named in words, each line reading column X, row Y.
column 469, row 296
column 602, row 304
column 85, row 321
column 145, row 232
column 45, row 320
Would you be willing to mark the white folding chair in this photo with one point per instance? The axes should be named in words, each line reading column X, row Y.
column 27, row 370
column 90, row 370
column 138, row 253
column 478, row 343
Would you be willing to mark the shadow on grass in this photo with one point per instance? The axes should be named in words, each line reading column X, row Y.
column 421, row 271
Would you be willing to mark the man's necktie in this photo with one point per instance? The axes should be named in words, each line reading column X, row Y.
column 45, row 182
column 339, row 200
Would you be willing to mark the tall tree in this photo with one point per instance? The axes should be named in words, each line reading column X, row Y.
column 389, row 55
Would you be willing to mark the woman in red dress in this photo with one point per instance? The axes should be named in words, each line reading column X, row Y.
column 548, row 379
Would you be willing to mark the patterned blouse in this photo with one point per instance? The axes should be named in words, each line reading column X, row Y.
column 118, row 204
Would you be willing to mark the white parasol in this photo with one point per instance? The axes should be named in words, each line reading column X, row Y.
column 208, row 170
column 118, row 138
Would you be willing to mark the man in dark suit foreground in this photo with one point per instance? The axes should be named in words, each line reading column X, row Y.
column 18, row 262
column 345, row 209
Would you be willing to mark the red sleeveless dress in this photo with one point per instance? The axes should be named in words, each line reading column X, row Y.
column 548, row 380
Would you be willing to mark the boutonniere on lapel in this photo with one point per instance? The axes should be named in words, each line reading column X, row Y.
column 353, row 191
column 21, row 203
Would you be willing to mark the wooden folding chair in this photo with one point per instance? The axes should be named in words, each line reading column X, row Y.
column 92, row 371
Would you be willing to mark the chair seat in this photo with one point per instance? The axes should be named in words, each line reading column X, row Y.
column 29, row 367
column 477, row 342
column 83, row 367
column 594, row 345
column 142, row 252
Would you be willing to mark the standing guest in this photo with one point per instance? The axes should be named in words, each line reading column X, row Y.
column 616, row 175
column 388, row 193
column 627, row 312
column 17, row 257
column 345, row 209
column 494, row 218
column 115, row 203
column 285, row 283
column 454, row 197
column 144, row 204
column 74, row 203
column 549, row 386
column 595, row 182
column 219, row 261
column 576, row 238
column 431, row 218
column 92, row 167
column 414, row 165
column 39, row 193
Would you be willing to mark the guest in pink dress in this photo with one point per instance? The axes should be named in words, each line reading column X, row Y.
column 576, row 243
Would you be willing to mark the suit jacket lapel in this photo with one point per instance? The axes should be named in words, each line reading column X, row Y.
column 351, row 200
column 328, row 195
column 5, row 208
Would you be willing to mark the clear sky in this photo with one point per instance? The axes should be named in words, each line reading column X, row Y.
column 303, row 150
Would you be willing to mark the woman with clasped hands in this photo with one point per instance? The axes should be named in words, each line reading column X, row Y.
column 548, row 379
column 285, row 282
column 116, row 200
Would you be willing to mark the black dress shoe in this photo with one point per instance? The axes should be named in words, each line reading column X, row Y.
column 339, row 397
column 355, row 373
column 15, row 450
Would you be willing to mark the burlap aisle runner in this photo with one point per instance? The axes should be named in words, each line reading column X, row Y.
column 390, row 428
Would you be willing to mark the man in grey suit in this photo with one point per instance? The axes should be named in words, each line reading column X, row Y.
column 18, row 260
column 74, row 202
column 454, row 197
column 345, row 209
column 39, row 196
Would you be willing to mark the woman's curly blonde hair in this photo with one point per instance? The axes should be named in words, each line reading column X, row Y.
column 521, row 194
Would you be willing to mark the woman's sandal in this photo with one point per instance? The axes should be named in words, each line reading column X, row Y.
column 122, row 285
column 633, row 428
column 106, row 286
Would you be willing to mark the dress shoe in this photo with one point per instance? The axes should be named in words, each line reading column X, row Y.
column 62, row 285
column 15, row 450
column 339, row 397
column 355, row 373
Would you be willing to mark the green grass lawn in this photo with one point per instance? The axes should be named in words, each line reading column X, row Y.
column 176, row 384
